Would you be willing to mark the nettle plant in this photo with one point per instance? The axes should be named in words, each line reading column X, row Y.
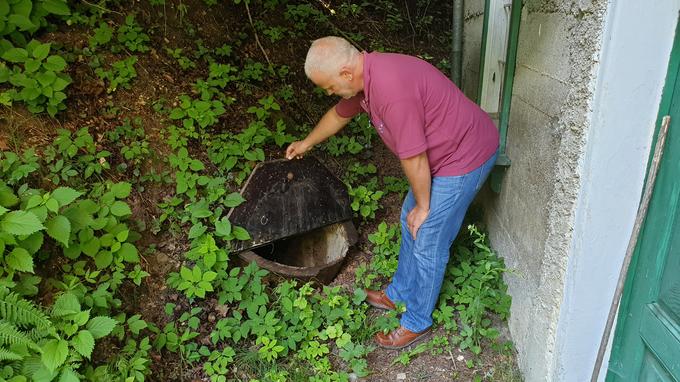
column 219, row 76
column 74, row 155
column 195, row 115
column 134, row 147
column 27, row 17
column 365, row 199
column 47, row 345
column 132, row 36
column 385, row 248
column 358, row 171
column 473, row 287
column 36, row 76
column 183, row 61
column 120, row 75
column 33, row 224
column 240, row 153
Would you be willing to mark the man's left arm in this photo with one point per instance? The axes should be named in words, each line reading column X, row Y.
column 417, row 170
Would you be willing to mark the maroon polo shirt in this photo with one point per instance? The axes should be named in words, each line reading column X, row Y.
column 415, row 108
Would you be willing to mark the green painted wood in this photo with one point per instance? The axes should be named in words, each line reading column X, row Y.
column 661, row 335
column 509, row 76
column 485, row 31
column 646, row 341
column 652, row 370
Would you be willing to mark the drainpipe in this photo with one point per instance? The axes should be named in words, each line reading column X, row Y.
column 457, row 43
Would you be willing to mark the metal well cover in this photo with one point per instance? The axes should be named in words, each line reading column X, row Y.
column 289, row 197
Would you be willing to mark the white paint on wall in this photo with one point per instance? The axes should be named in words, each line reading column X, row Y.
column 637, row 41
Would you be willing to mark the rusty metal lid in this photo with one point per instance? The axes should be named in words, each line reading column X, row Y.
column 289, row 197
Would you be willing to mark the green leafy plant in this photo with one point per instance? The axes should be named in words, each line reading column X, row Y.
column 135, row 150
column 102, row 35
column 74, row 154
column 365, row 199
column 36, row 77
column 132, row 36
column 396, row 185
column 120, row 75
column 359, row 171
column 196, row 114
column 183, row 61
column 27, row 17
column 474, row 286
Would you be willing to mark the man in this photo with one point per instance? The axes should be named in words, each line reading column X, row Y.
column 446, row 144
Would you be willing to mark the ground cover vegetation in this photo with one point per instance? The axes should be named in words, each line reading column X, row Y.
column 127, row 130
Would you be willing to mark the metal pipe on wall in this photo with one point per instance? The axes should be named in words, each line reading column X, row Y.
column 457, row 42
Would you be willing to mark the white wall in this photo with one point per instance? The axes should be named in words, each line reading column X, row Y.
column 637, row 41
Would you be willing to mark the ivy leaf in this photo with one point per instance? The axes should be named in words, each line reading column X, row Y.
column 59, row 228
column 3, row 210
column 223, row 227
column 121, row 190
column 57, row 7
column 101, row 326
column 197, row 230
column 196, row 165
column 129, row 253
column 41, row 51
column 103, row 259
column 119, row 208
column 16, row 54
column 65, row 195
column 359, row 296
column 240, row 233
column 233, row 199
column 83, row 342
column 185, row 273
column 20, row 260
column 20, row 223
column 54, row 353
column 55, row 63
column 7, row 197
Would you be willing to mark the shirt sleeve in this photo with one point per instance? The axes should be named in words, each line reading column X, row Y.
column 405, row 121
column 348, row 108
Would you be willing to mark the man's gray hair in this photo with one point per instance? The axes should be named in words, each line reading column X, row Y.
column 329, row 54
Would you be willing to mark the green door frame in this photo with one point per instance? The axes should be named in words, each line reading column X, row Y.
column 623, row 356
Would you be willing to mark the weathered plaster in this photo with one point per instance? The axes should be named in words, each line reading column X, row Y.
column 531, row 221
column 624, row 109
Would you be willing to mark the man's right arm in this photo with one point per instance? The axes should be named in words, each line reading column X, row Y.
column 329, row 125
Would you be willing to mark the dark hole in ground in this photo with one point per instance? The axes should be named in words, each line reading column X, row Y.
column 305, row 250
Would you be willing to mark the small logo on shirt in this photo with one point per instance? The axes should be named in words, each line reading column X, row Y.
column 381, row 128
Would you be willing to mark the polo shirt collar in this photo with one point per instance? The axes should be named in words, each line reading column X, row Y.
column 367, row 79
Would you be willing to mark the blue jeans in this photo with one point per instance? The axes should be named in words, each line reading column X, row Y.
column 422, row 262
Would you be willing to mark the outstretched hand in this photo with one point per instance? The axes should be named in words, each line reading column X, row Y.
column 296, row 149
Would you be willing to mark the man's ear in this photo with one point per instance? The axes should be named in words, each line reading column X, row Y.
column 346, row 73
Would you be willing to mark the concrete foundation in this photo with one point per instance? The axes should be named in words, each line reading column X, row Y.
column 588, row 79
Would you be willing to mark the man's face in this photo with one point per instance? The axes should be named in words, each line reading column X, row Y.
column 340, row 85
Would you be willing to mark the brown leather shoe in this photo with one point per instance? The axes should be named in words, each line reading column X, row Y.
column 400, row 338
column 378, row 299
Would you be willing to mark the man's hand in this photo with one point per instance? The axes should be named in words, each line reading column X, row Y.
column 417, row 170
column 415, row 219
column 296, row 150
